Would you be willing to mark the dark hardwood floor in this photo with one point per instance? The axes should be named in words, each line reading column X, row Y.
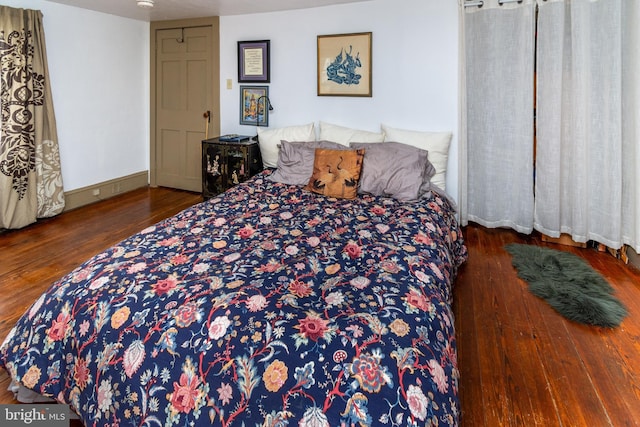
column 521, row 364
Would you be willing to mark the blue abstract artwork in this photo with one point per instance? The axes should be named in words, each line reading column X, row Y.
column 343, row 70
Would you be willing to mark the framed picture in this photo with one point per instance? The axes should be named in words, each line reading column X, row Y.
column 253, row 61
column 254, row 105
column 344, row 65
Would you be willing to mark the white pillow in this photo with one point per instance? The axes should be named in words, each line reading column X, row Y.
column 270, row 140
column 436, row 143
column 344, row 135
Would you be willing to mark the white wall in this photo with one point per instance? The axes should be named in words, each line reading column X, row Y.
column 99, row 67
column 415, row 67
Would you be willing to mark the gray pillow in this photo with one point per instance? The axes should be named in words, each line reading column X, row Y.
column 295, row 160
column 396, row 170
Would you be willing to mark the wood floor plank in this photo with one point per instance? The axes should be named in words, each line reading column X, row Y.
column 585, row 376
column 495, row 401
column 538, row 406
column 607, row 356
column 611, row 365
column 467, row 339
column 568, row 381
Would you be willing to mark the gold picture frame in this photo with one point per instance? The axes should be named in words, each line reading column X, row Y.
column 344, row 65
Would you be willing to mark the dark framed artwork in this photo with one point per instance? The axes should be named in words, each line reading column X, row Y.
column 254, row 104
column 253, row 61
column 344, row 64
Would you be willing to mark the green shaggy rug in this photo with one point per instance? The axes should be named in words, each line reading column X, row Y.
column 568, row 284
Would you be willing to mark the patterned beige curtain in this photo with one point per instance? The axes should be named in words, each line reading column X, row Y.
column 30, row 176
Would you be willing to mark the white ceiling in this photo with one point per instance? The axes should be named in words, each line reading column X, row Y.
column 183, row 9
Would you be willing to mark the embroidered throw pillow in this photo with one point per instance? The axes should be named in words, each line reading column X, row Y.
column 336, row 173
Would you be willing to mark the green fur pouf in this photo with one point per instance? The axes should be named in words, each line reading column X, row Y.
column 568, row 284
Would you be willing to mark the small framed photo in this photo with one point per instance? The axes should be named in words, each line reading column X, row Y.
column 344, row 64
column 254, row 105
column 253, row 61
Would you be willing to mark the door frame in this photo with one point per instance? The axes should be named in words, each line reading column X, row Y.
column 214, row 23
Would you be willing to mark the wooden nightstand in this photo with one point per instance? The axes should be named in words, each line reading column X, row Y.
column 225, row 164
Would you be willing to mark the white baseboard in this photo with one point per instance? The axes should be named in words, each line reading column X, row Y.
column 105, row 190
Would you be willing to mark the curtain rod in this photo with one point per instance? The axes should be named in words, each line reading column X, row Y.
column 480, row 3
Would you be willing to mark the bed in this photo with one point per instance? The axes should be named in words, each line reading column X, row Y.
column 267, row 305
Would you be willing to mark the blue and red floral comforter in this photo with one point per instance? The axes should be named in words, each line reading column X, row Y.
column 268, row 305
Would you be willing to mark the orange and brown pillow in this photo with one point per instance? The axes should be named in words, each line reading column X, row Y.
column 336, row 173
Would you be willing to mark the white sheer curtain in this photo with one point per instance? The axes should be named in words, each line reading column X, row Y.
column 588, row 119
column 497, row 123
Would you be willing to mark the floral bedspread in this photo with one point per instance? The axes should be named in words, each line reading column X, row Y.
column 267, row 305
